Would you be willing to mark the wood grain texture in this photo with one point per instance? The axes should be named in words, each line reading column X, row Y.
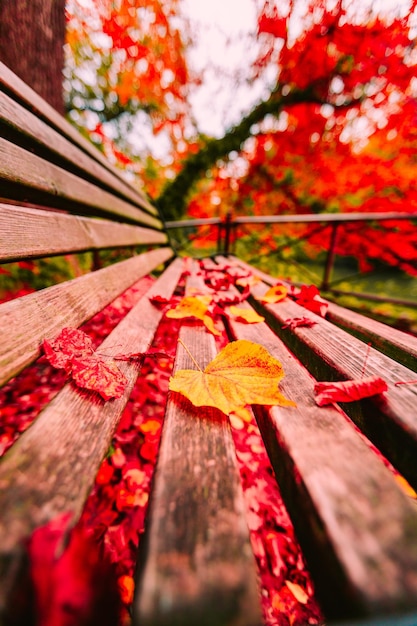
column 329, row 353
column 22, row 93
column 26, row 321
column 400, row 346
column 25, row 125
column 396, row 344
column 44, row 182
column 357, row 528
column 197, row 567
column 39, row 481
column 29, row 233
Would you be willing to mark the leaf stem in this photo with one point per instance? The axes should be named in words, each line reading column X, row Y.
column 189, row 354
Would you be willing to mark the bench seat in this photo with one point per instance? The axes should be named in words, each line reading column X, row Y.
column 345, row 471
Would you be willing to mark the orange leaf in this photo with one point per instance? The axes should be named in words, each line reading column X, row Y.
column 246, row 315
column 242, row 373
column 275, row 294
column 194, row 306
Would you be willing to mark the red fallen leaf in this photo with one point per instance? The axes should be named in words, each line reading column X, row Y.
column 294, row 322
column 309, row 298
column 349, row 390
column 73, row 351
column 96, row 375
column 70, row 343
column 141, row 356
column 160, row 301
column 72, row 580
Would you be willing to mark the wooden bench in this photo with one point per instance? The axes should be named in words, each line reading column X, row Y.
column 356, row 524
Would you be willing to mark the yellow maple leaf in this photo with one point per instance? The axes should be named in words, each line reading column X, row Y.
column 243, row 373
column 246, row 315
column 194, row 306
column 274, row 294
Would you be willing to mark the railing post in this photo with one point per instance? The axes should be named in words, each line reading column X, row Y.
column 330, row 258
column 227, row 232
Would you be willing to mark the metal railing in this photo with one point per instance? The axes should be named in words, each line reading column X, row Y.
column 230, row 227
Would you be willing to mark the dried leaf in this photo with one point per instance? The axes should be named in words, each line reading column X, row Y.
column 243, row 373
column 275, row 294
column 160, row 301
column 139, row 357
column 95, row 374
column 309, row 298
column 250, row 316
column 295, row 322
column 73, row 351
column 349, row 390
column 194, row 307
column 69, row 344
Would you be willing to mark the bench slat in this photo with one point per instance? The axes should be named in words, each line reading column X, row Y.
column 14, row 86
column 25, row 126
column 45, row 183
column 390, row 341
column 332, row 354
column 26, row 321
column 29, row 233
column 357, row 528
column 198, row 567
column 38, row 481
column 398, row 345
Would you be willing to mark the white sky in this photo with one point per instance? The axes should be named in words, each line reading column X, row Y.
column 219, row 102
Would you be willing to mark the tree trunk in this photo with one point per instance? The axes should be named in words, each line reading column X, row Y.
column 32, row 35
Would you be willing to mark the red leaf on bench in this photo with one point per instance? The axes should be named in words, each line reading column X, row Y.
column 309, row 298
column 98, row 375
column 243, row 373
column 349, row 390
column 294, row 322
column 160, row 301
column 71, row 343
column 73, row 351
column 141, row 356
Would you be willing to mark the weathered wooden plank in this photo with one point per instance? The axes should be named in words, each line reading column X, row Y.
column 48, row 184
column 197, row 567
column 398, row 345
column 22, row 125
column 358, row 530
column 51, row 467
column 28, row 233
column 22, row 93
column 394, row 343
column 329, row 353
column 26, row 321
column 26, row 125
